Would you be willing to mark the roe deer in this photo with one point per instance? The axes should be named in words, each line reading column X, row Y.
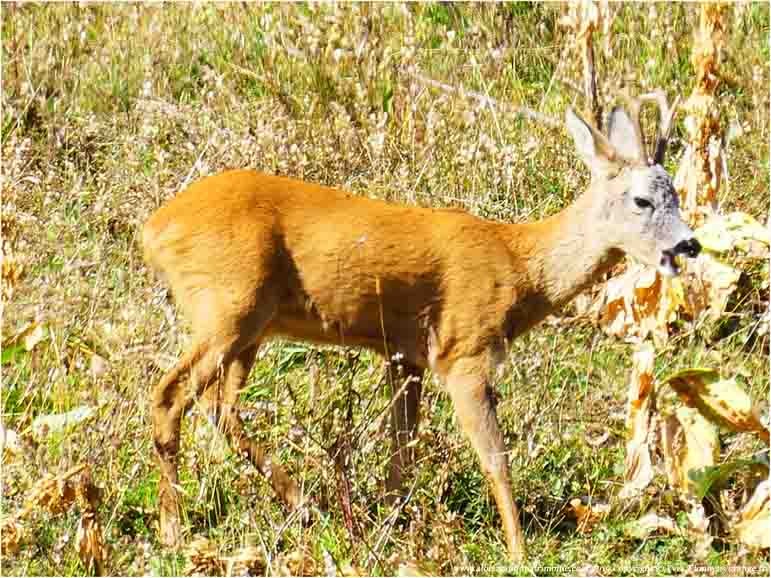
column 251, row 256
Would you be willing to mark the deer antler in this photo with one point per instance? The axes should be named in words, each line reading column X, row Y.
column 633, row 106
column 666, row 116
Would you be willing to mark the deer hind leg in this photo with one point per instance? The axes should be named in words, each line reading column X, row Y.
column 230, row 423
column 405, row 414
column 222, row 334
column 169, row 401
column 474, row 404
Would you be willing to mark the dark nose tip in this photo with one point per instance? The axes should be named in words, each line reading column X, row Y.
column 689, row 247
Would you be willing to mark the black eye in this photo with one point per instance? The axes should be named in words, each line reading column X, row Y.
column 643, row 203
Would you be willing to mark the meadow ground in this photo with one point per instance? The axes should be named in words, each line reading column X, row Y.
column 109, row 109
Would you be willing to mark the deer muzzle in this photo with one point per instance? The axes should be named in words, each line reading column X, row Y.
column 668, row 264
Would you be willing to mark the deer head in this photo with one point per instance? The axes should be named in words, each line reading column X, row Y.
column 635, row 206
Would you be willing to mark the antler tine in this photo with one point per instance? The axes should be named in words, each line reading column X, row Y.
column 633, row 106
column 666, row 116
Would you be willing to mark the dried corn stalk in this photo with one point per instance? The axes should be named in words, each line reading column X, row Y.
column 638, row 304
column 638, row 469
column 584, row 18
column 699, row 178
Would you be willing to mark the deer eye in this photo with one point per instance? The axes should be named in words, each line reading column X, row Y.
column 643, row 203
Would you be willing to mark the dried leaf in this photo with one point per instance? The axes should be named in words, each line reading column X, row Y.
column 639, row 303
column 754, row 526
column 91, row 548
column 587, row 515
column 641, row 400
column 722, row 401
column 248, row 561
column 722, row 233
column 690, row 444
column 12, row 534
column 712, row 283
column 296, row 563
column 54, row 494
column 98, row 366
column 44, row 425
column 90, row 545
column 28, row 337
column 35, row 336
column 203, row 558
column 651, row 523
column 9, row 444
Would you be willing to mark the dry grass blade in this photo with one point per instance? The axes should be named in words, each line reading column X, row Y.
column 489, row 102
column 722, row 401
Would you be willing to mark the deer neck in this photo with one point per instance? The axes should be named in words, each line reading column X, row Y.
column 568, row 252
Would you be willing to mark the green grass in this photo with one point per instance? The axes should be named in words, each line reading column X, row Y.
column 108, row 109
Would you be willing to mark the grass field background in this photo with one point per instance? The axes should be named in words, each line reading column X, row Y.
column 108, row 110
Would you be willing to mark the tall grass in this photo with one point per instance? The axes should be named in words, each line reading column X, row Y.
column 109, row 109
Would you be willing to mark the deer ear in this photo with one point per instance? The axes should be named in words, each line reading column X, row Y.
column 591, row 146
column 623, row 135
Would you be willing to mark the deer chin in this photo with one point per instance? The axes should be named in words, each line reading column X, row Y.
column 668, row 266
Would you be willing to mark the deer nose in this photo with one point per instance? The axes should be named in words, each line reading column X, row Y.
column 689, row 247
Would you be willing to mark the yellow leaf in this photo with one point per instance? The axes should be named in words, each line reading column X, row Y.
column 689, row 442
column 721, row 233
column 722, row 401
column 702, row 443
